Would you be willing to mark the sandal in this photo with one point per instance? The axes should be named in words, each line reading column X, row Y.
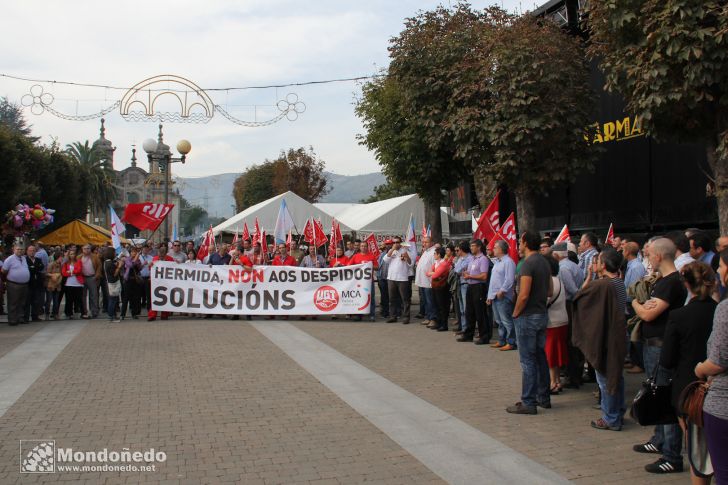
column 555, row 390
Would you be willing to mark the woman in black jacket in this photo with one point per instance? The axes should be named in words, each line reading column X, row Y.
column 686, row 336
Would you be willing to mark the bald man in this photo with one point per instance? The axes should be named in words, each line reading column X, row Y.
column 667, row 294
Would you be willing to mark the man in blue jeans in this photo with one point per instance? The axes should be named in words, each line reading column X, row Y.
column 531, row 318
column 501, row 295
column 668, row 293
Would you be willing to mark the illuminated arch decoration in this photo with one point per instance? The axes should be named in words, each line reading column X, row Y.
column 138, row 104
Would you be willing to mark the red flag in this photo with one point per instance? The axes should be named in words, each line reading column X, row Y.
column 371, row 241
column 289, row 240
column 205, row 246
column 146, row 215
column 246, row 232
column 610, row 235
column 563, row 235
column 308, row 232
column 235, row 238
column 321, row 238
column 424, row 230
column 489, row 221
column 335, row 238
column 508, row 232
column 256, row 233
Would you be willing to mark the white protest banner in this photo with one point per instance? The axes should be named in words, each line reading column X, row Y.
column 266, row 290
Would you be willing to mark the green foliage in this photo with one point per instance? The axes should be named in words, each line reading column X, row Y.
column 11, row 115
column 669, row 59
column 191, row 216
column 99, row 178
column 298, row 170
column 33, row 174
column 540, row 107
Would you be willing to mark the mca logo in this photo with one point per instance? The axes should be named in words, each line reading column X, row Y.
column 326, row 298
column 37, row 456
column 351, row 294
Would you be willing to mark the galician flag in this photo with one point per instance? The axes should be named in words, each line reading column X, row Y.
column 284, row 223
column 117, row 227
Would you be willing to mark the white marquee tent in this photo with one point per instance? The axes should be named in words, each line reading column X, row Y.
column 384, row 218
column 267, row 213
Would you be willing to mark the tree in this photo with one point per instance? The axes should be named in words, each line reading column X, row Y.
column 407, row 112
column 191, row 216
column 301, row 172
column 11, row 115
column 253, row 186
column 98, row 175
column 539, row 107
column 669, row 60
column 298, row 170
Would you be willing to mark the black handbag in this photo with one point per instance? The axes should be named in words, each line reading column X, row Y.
column 653, row 404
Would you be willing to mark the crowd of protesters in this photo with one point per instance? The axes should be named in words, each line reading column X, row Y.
column 575, row 314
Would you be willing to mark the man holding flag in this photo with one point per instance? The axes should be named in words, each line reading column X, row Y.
column 366, row 256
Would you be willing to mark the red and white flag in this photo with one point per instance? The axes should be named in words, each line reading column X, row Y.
column 205, row 246
column 489, row 221
column 610, row 235
column 264, row 244
column 371, row 241
column 313, row 233
column 508, row 232
column 289, row 240
column 246, row 232
column 235, row 238
column 145, row 215
column 563, row 235
column 335, row 237
column 256, row 233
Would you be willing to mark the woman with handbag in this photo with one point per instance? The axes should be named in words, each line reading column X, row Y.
column 557, row 351
column 54, row 284
column 112, row 268
column 687, row 332
column 132, row 285
column 440, row 289
column 713, row 368
column 72, row 271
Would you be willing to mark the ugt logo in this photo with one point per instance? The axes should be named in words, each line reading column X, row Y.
column 37, row 456
column 326, row 298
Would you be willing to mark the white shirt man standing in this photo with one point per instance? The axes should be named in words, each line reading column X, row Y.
column 398, row 282
column 423, row 282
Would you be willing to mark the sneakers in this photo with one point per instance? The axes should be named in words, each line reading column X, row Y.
column 602, row 424
column 520, row 408
column 647, row 448
column 664, row 466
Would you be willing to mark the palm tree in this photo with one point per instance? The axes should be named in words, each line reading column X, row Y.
column 100, row 178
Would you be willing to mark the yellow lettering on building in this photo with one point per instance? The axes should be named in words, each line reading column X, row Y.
column 618, row 130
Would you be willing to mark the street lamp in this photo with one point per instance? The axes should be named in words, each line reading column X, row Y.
column 158, row 151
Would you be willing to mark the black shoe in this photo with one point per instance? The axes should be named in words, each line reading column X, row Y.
column 463, row 339
column 545, row 405
column 391, row 320
column 520, row 408
column 441, row 329
column 664, row 466
column 480, row 341
column 404, row 322
column 647, row 448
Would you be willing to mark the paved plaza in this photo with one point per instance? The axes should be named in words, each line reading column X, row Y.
column 319, row 402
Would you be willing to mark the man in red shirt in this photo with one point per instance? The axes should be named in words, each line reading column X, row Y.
column 161, row 256
column 283, row 258
column 364, row 256
column 239, row 258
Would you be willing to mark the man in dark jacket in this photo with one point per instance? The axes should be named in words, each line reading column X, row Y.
column 599, row 331
column 36, row 291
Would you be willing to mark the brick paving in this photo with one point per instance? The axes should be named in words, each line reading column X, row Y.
column 476, row 383
column 11, row 337
column 223, row 402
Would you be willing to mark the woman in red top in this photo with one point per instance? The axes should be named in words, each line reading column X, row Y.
column 338, row 259
column 161, row 256
column 440, row 289
column 72, row 271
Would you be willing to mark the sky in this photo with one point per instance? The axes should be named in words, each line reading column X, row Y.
column 215, row 44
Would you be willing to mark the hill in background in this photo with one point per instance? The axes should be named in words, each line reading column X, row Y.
column 214, row 193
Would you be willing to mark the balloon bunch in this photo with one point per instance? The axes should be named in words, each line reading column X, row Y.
column 24, row 219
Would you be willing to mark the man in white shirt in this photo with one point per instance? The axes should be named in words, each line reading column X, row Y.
column 423, row 282
column 398, row 281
